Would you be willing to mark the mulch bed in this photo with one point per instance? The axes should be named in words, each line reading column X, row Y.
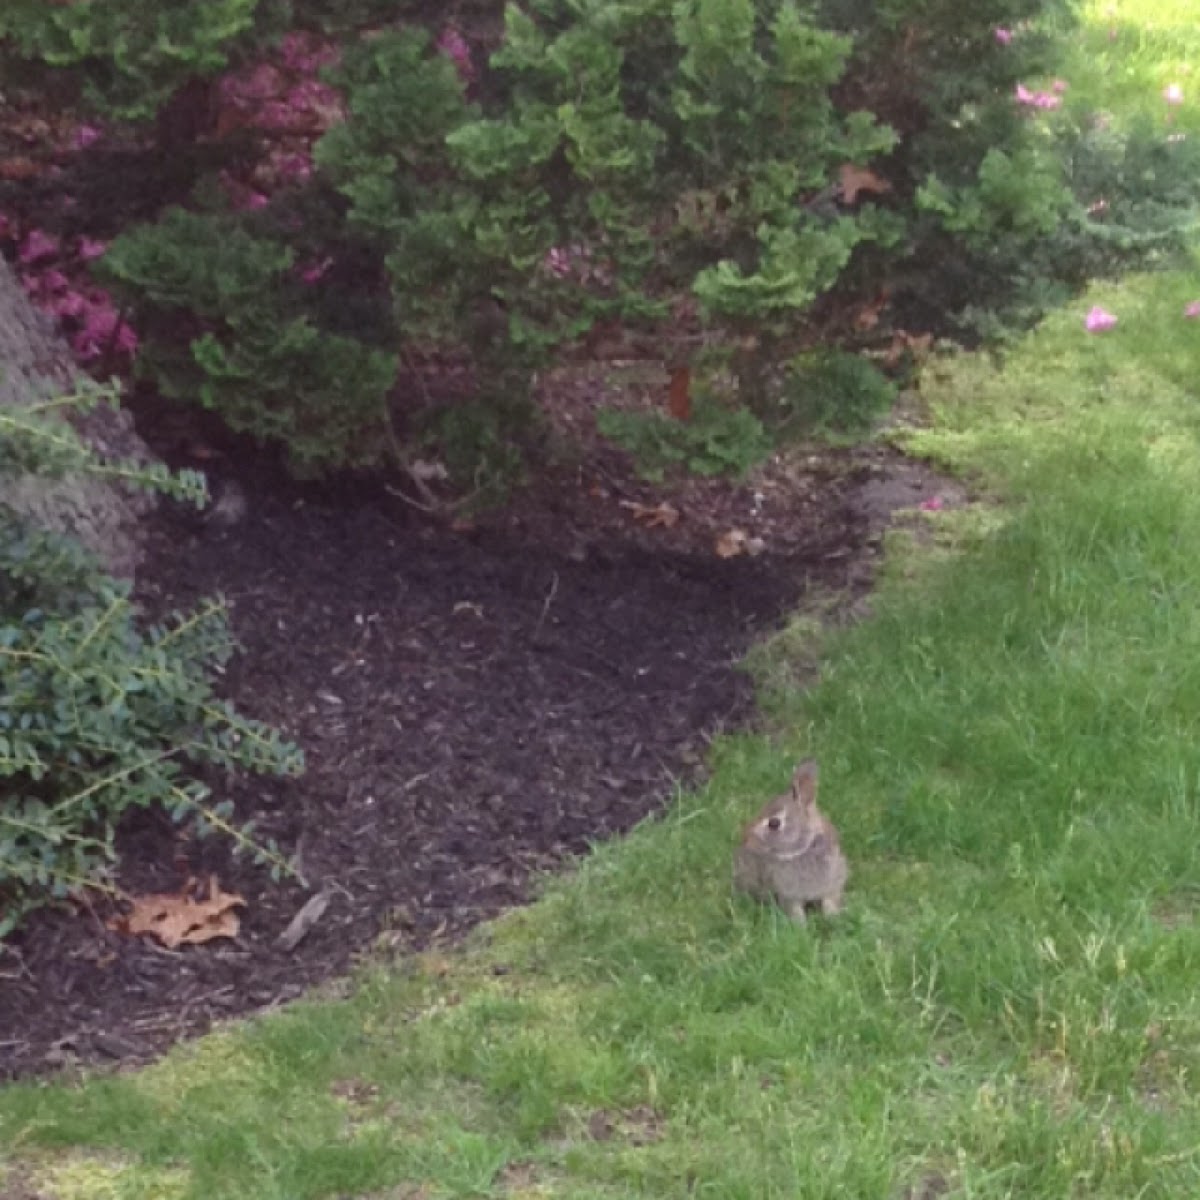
column 476, row 707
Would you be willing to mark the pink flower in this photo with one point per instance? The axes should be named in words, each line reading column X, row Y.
column 1098, row 320
column 314, row 95
column 1059, row 86
column 294, row 166
column 1192, row 311
column 90, row 248
column 72, row 304
column 240, row 196
column 103, row 329
column 259, row 83
column 1036, row 99
column 301, row 52
column 933, row 504
column 53, row 281
column 1173, row 94
column 87, row 135
column 279, row 116
column 37, row 245
column 452, row 44
column 1003, row 36
column 313, row 273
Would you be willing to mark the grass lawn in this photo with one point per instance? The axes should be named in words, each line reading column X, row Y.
column 1011, row 749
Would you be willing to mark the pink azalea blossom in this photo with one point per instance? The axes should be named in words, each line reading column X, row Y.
column 1192, row 311
column 87, row 135
column 261, row 82
column 315, row 97
column 240, row 196
column 103, row 329
column 933, row 504
column 1173, row 94
column 70, row 304
column 452, row 44
column 1036, row 99
column 1003, row 36
column 1098, row 320
column 37, row 245
column 294, row 166
column 302, row 53
column 91, row 248
column 312, row 274
column 1059, row 86
column 279, row 116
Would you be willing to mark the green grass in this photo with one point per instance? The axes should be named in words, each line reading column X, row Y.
column 1126, row 55
column 1011, row 747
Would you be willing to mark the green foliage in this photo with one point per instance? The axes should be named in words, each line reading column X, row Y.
column 132, row 55
column 623, row 157
column 1022, row 194
column 609, row 162
column 256, row 353
column 831, row 391
column 1032, row 229
column 99, row 715
column 717, row 440
column 479, row 442
column 1141, row 187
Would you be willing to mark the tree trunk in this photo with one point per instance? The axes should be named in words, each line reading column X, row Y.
column 35, row 364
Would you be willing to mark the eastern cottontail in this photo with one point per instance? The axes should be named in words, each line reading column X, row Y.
column 790, row 852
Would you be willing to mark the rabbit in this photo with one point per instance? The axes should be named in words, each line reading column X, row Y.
column 790, row 852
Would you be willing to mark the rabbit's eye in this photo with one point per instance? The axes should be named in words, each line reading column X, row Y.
column 774, row 823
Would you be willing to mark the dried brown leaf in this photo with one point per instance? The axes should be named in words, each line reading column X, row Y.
column 679, row 403
column 733, row 542
column 653, row 516
column 183, row 918
column 852, row 180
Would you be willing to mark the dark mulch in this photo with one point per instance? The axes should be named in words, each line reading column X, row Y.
column 475, row 706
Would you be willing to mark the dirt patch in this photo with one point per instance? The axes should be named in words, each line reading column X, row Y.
column 475, row 706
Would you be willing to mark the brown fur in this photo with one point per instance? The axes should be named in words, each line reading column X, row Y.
column 790, row 852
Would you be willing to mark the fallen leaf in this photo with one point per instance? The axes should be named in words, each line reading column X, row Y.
column 179, row 918
column 731, row 543
column 854, row 179
column 653, row 516
column 916, row 345
column 737, row 541
column 679, row 403
column 867, row 317
column 17, row 168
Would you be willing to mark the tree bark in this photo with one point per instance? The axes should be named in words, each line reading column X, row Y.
column 35, row 364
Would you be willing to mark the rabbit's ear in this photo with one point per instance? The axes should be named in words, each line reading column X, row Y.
column 804, row 783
